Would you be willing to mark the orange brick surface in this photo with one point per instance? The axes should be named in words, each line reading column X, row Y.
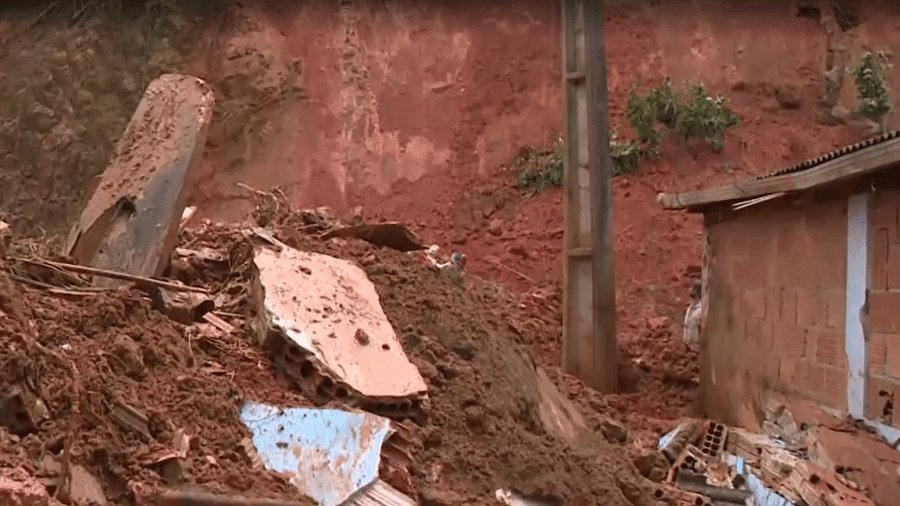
column 780, row 321
column 892, row 268
column 806, row 308
column 880, row 391
column 877, row 355
column 830, row 346
column 878, row 258
column 790, row 341
column 836, row 308
column 884, row 214
column 788, row 306
column 892, row 356
column 836, row 388
column 884, row 312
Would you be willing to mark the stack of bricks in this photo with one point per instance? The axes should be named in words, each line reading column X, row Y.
column 746, row 445
column 692, row 461
column 883, row 383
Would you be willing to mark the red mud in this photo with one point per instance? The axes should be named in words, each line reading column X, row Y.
column 469, row 338
column 125, row 352
column 517, row 241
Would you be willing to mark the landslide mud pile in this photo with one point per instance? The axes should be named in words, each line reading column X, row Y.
column 85, row 362
column 93, row 360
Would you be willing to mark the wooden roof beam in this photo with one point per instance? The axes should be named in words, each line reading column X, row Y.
column 865, row 161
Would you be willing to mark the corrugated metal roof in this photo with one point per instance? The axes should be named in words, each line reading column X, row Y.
column 381, row 494
column 813, row 162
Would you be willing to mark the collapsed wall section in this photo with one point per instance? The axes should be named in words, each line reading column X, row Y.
column 321, row 320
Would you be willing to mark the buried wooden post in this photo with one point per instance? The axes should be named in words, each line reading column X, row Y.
column 130, row 223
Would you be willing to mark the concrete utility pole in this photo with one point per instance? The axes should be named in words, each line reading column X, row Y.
column 590, row 350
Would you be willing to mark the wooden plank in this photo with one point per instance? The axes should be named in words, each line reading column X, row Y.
column 858, row 163
column 130, row 223
column 577, row 268
column 582, row 252
column 589, row 346
column 575, row 77
column 605, row 374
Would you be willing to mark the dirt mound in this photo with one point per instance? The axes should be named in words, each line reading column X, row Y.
column 126, row 355
column 659, row 374
column 484, row 431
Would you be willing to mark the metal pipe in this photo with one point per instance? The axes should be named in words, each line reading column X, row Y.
column 728, row 495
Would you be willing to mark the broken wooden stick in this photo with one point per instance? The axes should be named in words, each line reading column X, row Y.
column 510, row 269
column 30, row 339
column 181, row 498
column 175, row 287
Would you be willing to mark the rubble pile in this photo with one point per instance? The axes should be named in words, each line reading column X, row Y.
column 824, row 461
column 123, row 400
column 131, row 392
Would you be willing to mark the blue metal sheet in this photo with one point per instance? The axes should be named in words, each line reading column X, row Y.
column 667, row 438
column 762, row 495
column 328, row 453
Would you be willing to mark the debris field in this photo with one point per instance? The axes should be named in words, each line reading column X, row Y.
column 293, row 359
column 105, row 395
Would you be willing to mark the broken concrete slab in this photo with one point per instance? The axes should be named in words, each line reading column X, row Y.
column 18, row 488
column 558, row 414
column 321, row 319
column 186, row 217
column 182, row 307
column 130, row 223
column 330, row 455
column 85, row 488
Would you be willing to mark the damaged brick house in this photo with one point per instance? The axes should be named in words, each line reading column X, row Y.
column 801, row 292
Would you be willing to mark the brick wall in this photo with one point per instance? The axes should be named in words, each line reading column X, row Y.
column 883, row 382
column 775, row 318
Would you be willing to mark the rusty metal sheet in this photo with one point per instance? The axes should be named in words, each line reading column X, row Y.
column 329, row 454
column 131, row 221
column 330, row 308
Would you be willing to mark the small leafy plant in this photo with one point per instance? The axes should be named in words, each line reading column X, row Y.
column 624, row 155
column 872, row 92
column 693, row 113
column 705, row 117
column 642, row 114
column 538, row 170
column 665, row 103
